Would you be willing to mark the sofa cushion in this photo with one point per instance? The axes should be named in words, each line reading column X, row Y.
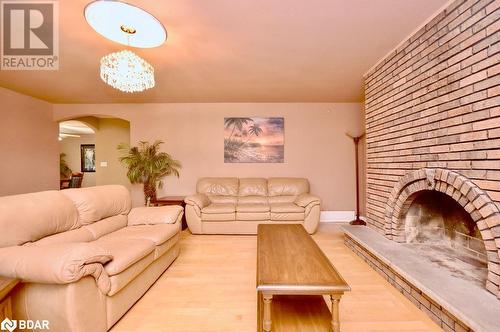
column 287, row 216
column 287, row 186
column 253, row 216
column 155, row 215
column 96, row 203
column 106, row 226
column 287, row 212
column 122, row 279
column 223, row 199
column 218, row 186
column 75, row 235
column 219, row 208
column 253, row 207
column 218, row 216
column 286, row 208
column 158, row 234
column 282, row 199
column 30, row 217
column 253, row 187
column 125, row 252
column 253, row 200
column 166, row 246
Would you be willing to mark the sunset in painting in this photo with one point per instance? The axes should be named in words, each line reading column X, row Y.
column 254, row 140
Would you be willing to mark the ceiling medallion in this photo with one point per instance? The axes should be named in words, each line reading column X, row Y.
column 125, row 24
column 127, row 72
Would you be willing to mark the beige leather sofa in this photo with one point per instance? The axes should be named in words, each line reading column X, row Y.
column 237, row 206
column 85, row 257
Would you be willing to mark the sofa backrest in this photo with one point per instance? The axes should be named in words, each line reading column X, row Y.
column 285, row 190
column 30, row 217
column 252, row 190
column 252, row 187
column 91, row 206
column 96, row 203
column 219, row 190
column 71, row 215
column 287, row 186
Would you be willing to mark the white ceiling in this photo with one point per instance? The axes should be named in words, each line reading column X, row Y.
column 74, row 127
column 235, row 51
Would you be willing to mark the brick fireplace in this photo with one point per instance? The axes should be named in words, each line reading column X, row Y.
column 433, row 124
column 474, row 200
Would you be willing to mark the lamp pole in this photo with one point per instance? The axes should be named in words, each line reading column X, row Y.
column 356, row 139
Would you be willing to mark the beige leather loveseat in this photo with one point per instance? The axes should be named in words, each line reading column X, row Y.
column 237, row 206
column 85, row 257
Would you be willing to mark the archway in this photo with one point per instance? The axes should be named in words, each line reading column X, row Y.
column 108, row 133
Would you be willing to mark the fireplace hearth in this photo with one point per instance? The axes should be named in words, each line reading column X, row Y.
column 448, row 289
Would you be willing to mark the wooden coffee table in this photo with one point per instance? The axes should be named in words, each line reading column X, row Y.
column 6, row 286
column 292, row 275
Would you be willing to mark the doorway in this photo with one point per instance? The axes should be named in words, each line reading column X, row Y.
column 77, row 138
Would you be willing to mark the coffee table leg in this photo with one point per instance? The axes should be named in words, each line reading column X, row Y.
column 266, row 321
column 335, row 313
column 259, row 311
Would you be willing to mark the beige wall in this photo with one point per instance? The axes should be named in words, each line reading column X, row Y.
column 316, row 146
column 111, row 132
column 28, row 141
column 71, row 147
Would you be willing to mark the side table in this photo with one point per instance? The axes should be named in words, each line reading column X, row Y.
column 172, row 200
column 6, row 286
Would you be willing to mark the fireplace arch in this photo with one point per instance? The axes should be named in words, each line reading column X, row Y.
column 473, row 199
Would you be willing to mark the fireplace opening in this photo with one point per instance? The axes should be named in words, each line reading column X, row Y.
column 445, row 233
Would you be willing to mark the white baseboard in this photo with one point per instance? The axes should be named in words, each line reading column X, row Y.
column 336, row 216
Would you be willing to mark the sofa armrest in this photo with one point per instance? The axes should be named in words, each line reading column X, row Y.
column 306, row 199
column 154, row 215
column 61, row 263
column 199, row 200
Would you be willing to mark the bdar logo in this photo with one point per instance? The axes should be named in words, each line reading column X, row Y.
column 8, row 325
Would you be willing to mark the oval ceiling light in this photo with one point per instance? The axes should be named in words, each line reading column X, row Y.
column 125, row 24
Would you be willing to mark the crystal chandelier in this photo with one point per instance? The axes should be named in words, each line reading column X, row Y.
column 127, row 72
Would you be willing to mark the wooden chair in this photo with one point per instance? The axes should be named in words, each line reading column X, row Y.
column 74, row 182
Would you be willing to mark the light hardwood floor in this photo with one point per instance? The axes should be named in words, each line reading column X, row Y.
column 211, row 288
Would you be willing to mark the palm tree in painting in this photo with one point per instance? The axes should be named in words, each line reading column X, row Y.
column 254, row 130
column 235, row 123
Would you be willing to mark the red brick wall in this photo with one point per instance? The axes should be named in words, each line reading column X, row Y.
column 434, row 102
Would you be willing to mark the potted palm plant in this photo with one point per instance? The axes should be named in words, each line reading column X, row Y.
column 147, row 165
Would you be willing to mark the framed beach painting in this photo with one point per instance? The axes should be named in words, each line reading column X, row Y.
column 254, row 140
column 87, row 157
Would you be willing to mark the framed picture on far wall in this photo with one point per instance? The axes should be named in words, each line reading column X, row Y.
column 254, row 140
column 87, row 157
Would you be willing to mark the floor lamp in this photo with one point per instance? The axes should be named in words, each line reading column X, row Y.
column 356, row 139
